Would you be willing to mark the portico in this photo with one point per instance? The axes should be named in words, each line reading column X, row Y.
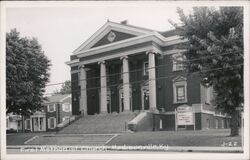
column 116, row 69
column 123, row 87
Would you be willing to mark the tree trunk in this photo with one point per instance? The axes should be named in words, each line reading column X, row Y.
column 235, row 123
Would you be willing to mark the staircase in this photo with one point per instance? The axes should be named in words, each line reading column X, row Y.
column 97, row 124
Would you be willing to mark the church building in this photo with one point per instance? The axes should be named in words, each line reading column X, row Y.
column 124, row 68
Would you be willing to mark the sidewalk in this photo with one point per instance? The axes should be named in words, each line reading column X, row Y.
column 204, row 149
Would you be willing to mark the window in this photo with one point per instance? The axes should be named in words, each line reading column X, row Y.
column 177, row 62
column 27, row 124
column 180, row 90
column 145, row 68
column 66, row 107
column 160, row 124
column 222, row 124
column 51, row 108
column 65, row 118
column 51, row 122
column 180, row 93
column 216, row 123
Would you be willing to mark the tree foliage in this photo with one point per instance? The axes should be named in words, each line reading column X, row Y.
column 26, row 74
column 65, row 88
column 215, row 49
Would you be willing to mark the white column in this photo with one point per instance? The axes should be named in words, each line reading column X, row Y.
column 38, row 121
column 31, row 126
column 103, row 104
column 126, row 88
column 152, row 80
column 83, row 84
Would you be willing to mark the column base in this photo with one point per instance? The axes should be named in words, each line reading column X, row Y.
column 154, row 110
column 82, row 112
column 103, row 113
column 126, row 112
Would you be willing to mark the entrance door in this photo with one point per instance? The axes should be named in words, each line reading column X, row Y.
column 42, row 124
column 109, row 101
column 121, row 97
column 208, row 123
column 38, row 124
column 145, row 97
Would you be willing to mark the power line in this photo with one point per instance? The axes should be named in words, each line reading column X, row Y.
column 158, row 78
column 137, row 70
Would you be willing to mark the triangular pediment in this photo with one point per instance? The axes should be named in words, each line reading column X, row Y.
column 112, row 37
column 179, row 79
column 110, row 33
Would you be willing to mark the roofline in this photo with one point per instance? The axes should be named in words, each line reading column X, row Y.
column 109, row 23
column 60, row 100
column 89, row 38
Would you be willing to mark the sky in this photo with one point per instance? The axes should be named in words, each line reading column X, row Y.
column 61, row 29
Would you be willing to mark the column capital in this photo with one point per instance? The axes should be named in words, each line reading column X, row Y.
column 151, row 52
column 123, row 57
column 81, row 66
column 101, row 62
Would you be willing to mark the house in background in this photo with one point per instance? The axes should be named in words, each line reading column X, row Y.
column 13, row 123
column 57, row 109
column 36, row 122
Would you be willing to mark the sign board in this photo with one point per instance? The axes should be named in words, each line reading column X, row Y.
column 184, row 115
column 185, row 118
column 184, row 109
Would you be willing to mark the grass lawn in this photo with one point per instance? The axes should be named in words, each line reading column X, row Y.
column 71, row 140
column 20, row 138
column 170, row 138
column 180, row 138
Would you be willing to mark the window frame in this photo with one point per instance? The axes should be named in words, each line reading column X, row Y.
column 54, row 108
column 177, row 66
column 145, row 70
column 208, row 95
column 27, row 121
column 49, row 124
column 177, row 83
column 180, row 98
column 63, row 107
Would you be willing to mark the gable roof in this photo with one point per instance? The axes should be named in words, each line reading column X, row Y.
column 57, row 98
column 109, row 26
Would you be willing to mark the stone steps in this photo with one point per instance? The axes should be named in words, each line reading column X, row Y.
column 99, row 124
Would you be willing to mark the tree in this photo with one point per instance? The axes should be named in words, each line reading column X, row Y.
column 65, row 88
column 215, row 50
column 26, row 74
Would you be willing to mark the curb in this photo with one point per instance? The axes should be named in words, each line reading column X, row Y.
column 203, row 149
